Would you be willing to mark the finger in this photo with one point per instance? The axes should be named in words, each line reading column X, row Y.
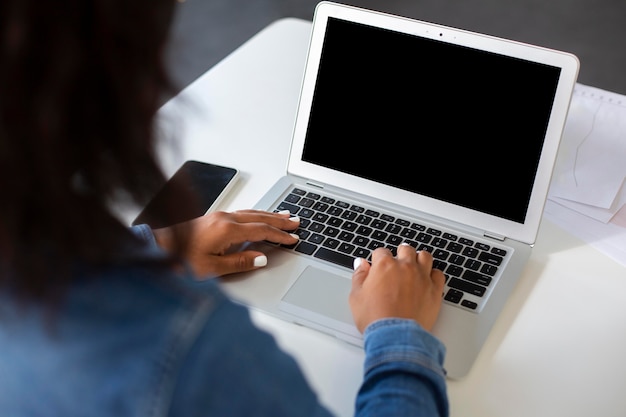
column 361, row 269
column 425, row 258
column 237, row 262
column 381, row 253
column 232, row 231
column 257, row 232
column 438, row 278
column 282, row 220
column 406, row 252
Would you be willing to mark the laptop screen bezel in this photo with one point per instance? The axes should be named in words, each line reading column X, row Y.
column 490, row 224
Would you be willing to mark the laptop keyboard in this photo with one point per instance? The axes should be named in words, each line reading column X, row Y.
column 338, row 231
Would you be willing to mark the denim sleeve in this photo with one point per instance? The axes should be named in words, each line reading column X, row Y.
column 144, row 232
column 403, row 371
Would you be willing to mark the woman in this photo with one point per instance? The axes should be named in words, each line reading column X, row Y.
column 100, row 319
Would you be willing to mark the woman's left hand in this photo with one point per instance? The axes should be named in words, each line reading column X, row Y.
column 212, row 236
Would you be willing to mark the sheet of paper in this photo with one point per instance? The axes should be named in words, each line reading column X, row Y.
column 609, row 238
column 587, row 195
column 590, row 166
column 597, row 213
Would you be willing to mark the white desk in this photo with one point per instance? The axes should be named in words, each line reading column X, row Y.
column 557, row 350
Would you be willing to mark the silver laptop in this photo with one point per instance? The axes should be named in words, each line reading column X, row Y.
column 408, row 131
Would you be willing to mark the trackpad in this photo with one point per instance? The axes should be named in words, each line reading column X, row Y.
column 318, row 296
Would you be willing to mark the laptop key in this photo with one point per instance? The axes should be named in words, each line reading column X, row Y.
column 316, row 227
column 454, row 247
column 418, row 227
column 346, row 248
column 477, row 277
column 490, row 258
column 364, row 231
column 402, row 222
column 427, row 248
column 498, row 251
column 293, row 209
column 358, row 209
column 319, row 206
column 306, row 248
column 320, row 217
column 408, row 233
column 335, row 211
column 335, row 257
column 303, row 233
column 349, row 215
column 306, row 213
column 335, row 221
column 372, row 213
column 307, row 202
column 471, row 252
column 292, row 198
column 453, row 296
column 434, row 232
column 346, row 236
column 439, row 242
column 488, row 269
column 467, row 286
column 379, row 224
column 331, row 243
column 374, row 244
column 349, row 226
column 316, row 238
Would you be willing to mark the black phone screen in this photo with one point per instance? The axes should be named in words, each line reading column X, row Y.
column 202, row 183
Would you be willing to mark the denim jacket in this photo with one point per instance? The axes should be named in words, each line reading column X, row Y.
column 136, row 339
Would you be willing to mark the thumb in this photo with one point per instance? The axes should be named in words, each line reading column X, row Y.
column 361, row 269
column 239, row 262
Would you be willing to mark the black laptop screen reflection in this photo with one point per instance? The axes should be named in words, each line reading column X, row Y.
column 430, row 117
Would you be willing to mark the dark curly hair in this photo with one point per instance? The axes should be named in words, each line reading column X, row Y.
column 80, row 83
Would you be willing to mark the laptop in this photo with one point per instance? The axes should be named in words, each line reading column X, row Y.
column 408, row 131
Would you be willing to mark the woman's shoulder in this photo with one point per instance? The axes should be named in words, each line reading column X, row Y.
column 117, row 331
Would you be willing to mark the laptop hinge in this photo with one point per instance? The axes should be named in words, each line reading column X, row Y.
column 494, row 236
column 314, row 185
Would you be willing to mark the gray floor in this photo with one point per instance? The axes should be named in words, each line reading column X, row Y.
column 205, row 31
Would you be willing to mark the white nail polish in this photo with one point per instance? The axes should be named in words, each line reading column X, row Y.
column 260, row 261
column 357, row 263
column 284, row 212
column 295, row 236
column 294, row 219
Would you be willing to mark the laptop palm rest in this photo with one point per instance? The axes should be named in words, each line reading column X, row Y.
column 319, row 296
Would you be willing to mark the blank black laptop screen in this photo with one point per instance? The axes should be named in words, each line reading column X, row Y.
column 442, row 120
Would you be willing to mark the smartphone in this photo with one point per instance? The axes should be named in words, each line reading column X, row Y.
column 202, row 185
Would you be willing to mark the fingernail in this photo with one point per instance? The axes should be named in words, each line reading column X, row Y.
column 357, row 263
column 284, row 212
column 260, row 261
column 294, row 219
column 404, row 244
column 295, row 236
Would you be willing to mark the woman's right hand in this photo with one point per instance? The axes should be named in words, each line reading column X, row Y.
column 405, row 286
